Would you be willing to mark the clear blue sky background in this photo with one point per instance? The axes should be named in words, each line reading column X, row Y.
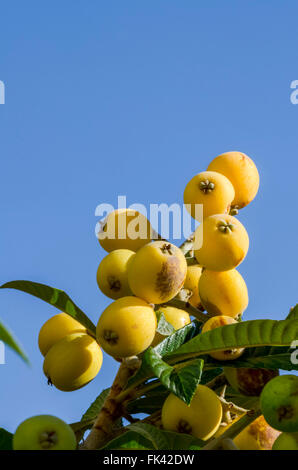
column 134, row 98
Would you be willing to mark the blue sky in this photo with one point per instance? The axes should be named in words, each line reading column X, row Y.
column 134, row 98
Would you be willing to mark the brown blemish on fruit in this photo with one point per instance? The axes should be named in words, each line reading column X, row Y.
column 110, row 337
column 252, row 381
column 263, row 433
column 184, row 427
column 285, row 412
column 114, row 283
column 170, row 278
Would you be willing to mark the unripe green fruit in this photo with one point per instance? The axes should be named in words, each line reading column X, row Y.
column 279, row 403
column 247, row 381
column 112, row 274
column 286, row 441
column 44, row 432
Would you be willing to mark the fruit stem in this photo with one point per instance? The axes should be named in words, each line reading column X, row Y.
column 231, row 407
column 195, row 312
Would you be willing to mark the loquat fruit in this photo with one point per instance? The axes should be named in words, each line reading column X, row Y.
column 223, row 292
column 220, row 243
column 126, row 327
column 243, row 174
column 216, row 322
column 211, row 189
column 200, row 419
column 125, row 229
column 73, row 362
column 157, row 272
column 112, row 274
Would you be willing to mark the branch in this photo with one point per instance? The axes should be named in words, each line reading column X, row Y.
column 111, row 409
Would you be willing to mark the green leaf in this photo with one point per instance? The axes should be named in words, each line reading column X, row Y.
column 169, row 344
column 7, row 337
column 179, row 441
column 165, row 440
column 163, row 327
column 129, row 440
column 144, row 436
column 209, row 375
column 95, row 407
column 150, row 403
column 55, row 297
column 5, row 440
column 262, row 357
column 241, row 335
column 182, row 380
column 293, row 314
column 177, row 339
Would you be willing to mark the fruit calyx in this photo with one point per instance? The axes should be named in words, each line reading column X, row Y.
column 114, row 283
column 48, row 439
column 225, row 227
column 206, row 186
column 167, row 249
column 184, row 427
column 110, row 336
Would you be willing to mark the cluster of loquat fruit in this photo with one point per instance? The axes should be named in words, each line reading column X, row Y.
column 143, row 277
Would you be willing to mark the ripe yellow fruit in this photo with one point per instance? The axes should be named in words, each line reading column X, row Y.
column 211, row 189
column 73, row 362
column 55, row 329
column 126, row 327
column 157, row 272
column 256, row 436
column 191, row 283
column 216, row 322
column 243, row 174
column 200, row 419
column 177, row 317
column 125, row 229
column 223, row 293
column 221, row 243
column 112, row 274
